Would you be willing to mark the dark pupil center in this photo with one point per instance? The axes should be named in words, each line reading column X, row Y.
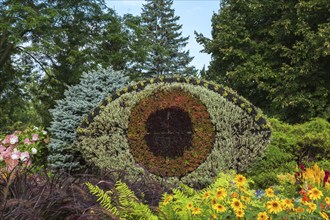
column 169, row 132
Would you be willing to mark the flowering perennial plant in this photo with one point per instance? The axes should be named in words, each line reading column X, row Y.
column 18, row 148
column 230, row 197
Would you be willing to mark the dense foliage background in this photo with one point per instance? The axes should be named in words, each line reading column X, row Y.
column 274, row 53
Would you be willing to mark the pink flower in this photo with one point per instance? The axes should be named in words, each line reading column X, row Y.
column 27, row 141
column 35, row 137
column 13, row 139
column 7, row 153
column 17, row 132
column 2, row 152
column 24, row 156
column 11, row 164
column 6, row 140
column 15, row 154
column 2, row 148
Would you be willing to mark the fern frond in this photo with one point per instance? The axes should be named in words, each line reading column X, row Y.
column 103, row 198
column 125, row 194
column 179, row 195
column 187, row 190
column 131, row 205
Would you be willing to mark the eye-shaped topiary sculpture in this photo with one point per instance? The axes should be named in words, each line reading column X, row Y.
column 175, row 129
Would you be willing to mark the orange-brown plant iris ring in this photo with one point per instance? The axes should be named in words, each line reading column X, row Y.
column 182, row 121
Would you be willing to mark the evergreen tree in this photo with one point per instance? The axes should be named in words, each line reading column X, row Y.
column 69, row 111
column 275, row 53
column 165, row 50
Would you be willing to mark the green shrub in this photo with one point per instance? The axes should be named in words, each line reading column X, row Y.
column 291, row 145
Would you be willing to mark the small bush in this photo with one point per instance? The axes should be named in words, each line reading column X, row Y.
column 291, row 145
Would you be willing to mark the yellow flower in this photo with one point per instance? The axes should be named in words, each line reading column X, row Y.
column 327, row 200
column 327, row 185
column 219, row 208
column 214, row 216
column 167, row 199
column 236, row 204
column 274, row 206
column 324, row 215
column 189, row 205
column 213, row 201
column 270, row 192
column 220, row 194
column 262, row 216
column 242, row 188
column 245, row 199
column 287, row 203
column 196, row 211
column 311, row 207
column 314, row 175
column 240, row 180
column 315, row 194
column 299, row 210
column 206, row 195
column 234, row 195
column 239, row 213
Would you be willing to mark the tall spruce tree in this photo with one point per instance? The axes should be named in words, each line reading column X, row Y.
column 162, row 32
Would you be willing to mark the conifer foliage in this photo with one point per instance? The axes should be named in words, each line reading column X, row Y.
column 68, row 112
column 165, row 52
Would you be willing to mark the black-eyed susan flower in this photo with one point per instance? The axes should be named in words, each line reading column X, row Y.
column 269, row 192
column 189, row 205
column 274, row 206
column 213, row 202
column 327, row 200
column 219, row 207
column 239, row 213
column 262, row 216
column 324, row 215
column 244, row 190
column 287, row 203
column 220, row 193
column 315, row 194
column 236, row 204
column 245, row 199
column 311, row 207
column 196, row 211
column 240, row 180
column 206, row 195
column 167, row 199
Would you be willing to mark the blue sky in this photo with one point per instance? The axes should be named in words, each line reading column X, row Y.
column 195, row 15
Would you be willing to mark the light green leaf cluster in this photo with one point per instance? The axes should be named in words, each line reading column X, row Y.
column 122, row 202
column 103, row 198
